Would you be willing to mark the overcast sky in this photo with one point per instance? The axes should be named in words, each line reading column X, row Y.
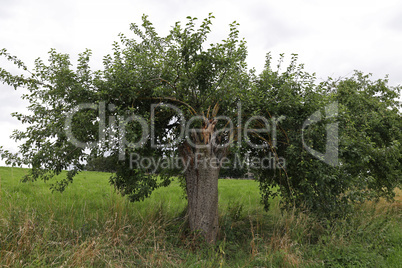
column 332, row 38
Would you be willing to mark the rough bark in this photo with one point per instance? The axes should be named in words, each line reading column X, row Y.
column 201, row 174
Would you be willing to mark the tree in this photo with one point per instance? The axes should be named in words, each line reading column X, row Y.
column 364, row 116
column 151, row 79
column 100, row 163
column 175, row 105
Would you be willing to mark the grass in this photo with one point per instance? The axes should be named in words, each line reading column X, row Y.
column 90, row 225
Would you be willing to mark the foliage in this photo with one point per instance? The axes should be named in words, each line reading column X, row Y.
column 101, row 163
column 369, row 152
column 237, row 169
column 175, row 69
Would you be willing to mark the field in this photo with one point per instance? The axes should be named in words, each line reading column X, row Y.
column 89, row 225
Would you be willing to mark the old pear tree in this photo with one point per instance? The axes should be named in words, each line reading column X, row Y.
column 181, row 106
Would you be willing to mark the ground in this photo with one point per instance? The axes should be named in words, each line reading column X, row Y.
column 91, row 225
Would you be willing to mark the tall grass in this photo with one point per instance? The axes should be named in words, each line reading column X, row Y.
column 90, row 225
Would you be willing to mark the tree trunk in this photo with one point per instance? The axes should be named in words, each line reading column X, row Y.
column 202, row 163
column 202, row 193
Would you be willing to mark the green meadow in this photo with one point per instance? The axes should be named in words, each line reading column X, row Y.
column 90, row 225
